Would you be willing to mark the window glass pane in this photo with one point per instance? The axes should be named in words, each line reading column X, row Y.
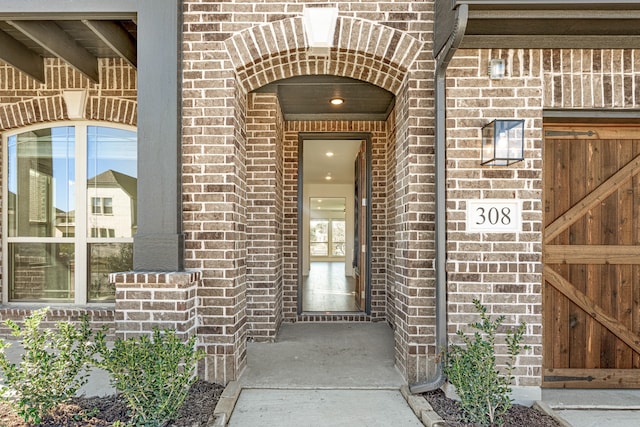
column 41, row 272
column 337, row 249
column 319, row 230
column 337, row 237
column 107, row 206
column 319, row 249
column 105, row 258
column 96, row 206
column 112, row 178
column 337, row 231
column 41, row 183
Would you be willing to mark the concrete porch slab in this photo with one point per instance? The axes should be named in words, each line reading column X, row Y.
column 324, row 356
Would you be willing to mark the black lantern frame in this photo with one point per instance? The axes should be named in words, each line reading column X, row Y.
column 502, row 142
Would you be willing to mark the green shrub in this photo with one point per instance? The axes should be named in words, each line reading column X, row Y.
column 152, row 374
column 51, row 369
column 471, row 368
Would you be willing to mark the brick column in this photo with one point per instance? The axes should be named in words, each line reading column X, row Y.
column 415, row 316
column 148, row 300
column 264, row 216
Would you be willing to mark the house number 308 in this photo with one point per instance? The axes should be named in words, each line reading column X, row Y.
column 494, row 215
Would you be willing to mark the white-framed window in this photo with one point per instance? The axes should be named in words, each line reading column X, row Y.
column 69, row 211
column 102, row 205
column 327, row 237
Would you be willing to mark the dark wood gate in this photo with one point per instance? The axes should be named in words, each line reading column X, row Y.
column 591, row 255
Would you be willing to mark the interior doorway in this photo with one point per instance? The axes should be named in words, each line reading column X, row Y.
column 333, row 224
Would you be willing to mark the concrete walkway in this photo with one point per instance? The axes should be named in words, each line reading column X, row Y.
column 323, row 374
column 595, row 408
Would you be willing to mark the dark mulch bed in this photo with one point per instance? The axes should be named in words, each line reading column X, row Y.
column 517, row 416
column 197, row 410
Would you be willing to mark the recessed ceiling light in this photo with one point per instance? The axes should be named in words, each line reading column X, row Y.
column 329, row 153
column 337, row 101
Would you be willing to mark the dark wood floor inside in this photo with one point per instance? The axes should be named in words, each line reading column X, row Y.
column 328, row 289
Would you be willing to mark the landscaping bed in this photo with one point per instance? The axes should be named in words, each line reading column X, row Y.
column 517, row 416
column 197, row 410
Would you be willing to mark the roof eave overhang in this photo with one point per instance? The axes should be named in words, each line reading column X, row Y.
column 541, row 24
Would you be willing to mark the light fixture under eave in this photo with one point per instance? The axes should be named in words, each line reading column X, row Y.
column 497, row 68
column 329, row 154
column 502, row 142
column 337, row 101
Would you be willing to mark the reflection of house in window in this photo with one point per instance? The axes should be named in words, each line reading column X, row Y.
column 112, row 205
column 65, row 223
column 40, row 185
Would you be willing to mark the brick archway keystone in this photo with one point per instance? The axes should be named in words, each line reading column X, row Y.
column 363, row 50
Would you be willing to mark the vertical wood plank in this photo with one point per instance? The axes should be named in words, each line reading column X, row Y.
column 578, row 172
column 562, row 202
column 621, row 278
column 548, row 293
column 592, row 236
column 608, row 234
column 635, row 282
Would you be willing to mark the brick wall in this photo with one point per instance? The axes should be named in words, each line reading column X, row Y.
column 23, row 101
column 504, row 270
column 590, row 79
column 145, row 301
column 264, row 215
column 98, row 318
column 390, row 227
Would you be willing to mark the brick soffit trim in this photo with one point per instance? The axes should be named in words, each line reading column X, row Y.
column 363, row 50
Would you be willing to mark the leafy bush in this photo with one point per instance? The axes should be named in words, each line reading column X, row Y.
column 51, row 368
column 483, row 390
column 152, row 374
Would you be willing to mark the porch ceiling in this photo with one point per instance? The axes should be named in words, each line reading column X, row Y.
column 542, row 24
column 307, row 98
column 25, row 42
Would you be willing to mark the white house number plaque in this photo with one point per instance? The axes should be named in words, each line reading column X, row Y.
column 494, row 215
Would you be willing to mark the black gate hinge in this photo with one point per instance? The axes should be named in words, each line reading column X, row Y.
column 558, row 378
column 568, row 133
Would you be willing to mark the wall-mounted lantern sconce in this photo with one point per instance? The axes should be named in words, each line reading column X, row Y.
column 497, row 68
column 502, row 142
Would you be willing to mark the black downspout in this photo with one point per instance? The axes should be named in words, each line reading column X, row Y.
column 442, row 62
